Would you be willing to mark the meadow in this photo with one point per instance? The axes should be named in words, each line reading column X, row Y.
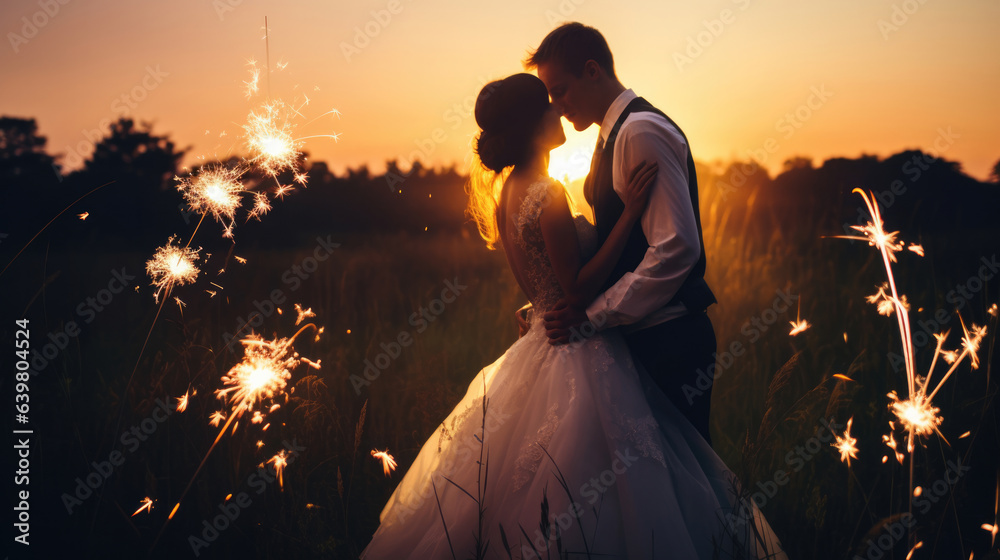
column 769, row 401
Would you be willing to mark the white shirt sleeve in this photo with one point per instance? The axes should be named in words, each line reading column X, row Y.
column 668, row 223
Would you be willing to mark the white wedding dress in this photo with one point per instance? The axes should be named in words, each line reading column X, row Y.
column 622, row 472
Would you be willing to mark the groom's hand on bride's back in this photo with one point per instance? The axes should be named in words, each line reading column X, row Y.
column 563, row 321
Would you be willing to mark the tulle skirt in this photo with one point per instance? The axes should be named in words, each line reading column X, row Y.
column 576, row 453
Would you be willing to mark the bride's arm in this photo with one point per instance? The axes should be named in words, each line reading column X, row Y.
column 581, row 284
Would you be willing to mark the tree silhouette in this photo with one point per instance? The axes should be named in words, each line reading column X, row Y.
column 142, row 205
column 22, row 153
column 996, row 172
column 27, row 175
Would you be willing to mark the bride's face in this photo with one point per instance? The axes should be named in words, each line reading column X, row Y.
column 551, row 133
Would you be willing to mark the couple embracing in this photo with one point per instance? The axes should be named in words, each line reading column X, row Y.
column 580, row 441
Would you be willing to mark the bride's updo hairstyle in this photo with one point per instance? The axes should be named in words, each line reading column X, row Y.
column 509, row 112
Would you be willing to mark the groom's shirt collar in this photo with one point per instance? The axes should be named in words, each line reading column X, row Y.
column 615, row 111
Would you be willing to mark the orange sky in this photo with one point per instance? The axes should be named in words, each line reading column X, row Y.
column 738, row 75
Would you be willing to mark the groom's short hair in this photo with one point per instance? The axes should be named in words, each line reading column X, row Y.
column 572, row 45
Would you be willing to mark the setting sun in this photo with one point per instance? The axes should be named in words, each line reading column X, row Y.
column 571, row 161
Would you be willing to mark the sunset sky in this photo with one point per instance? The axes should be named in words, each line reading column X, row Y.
column 820, row 79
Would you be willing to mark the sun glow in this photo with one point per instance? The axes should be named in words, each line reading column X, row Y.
column 571, row 161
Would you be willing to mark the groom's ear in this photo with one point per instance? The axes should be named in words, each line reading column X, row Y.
column 592, row 70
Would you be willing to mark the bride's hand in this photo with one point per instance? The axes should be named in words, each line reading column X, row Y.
column 523, row 316
column 637, row 191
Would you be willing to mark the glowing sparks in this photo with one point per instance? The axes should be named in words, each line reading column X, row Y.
column 250, row 87
column 264, row 371
column 916, row 415
column 992, row 530
column 172, row 265
column 388, row 462
column 918, row 249
column 970, row 343
column 83, row 216
column 147, row 504
column 182, row 402
column 846, row 444
column 799, row 327
column 993, row 310
column 262, row 374
column 215, row 189
column 261, row 205
column 842, row 376
column 216, row 417
column 885, row 302
column 874, row 233
column 303, row 314
column 280, row 461
column 269, row 138
column 909, row 554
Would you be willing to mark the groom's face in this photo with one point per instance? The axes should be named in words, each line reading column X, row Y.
column 569, row 93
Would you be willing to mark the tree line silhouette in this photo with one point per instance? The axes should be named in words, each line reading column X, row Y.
column 138, row 205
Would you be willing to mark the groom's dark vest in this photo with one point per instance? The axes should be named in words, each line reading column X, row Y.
column 694, row 293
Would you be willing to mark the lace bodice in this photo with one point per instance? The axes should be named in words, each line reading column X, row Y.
column 540, row 276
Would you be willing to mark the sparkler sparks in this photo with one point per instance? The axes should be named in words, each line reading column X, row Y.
column 251, row 86
column 182, row 402
column 264, row 371
column 916, row 415
column 269, row 138
column 799, row 327
column 172, row 265
column 303, row 313
column 216, row 189
column 846, row 444
column 388, row 461
column 280, row 461
column 885, row 302
column 147, row 504
column 216, row 417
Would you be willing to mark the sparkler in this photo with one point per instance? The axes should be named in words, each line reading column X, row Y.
column 262, row 375
column 267, row 365
column 916, row 414
column 172, row 265
column 216, row 190
column 269, row 138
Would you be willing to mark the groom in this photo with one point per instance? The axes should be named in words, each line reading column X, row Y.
column 657, row 294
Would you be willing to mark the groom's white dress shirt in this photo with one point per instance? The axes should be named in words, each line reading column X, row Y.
column 639, row 299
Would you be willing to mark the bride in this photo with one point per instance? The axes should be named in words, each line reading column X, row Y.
column 560, row 451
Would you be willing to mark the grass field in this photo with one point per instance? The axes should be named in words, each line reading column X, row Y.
column 365, row 296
